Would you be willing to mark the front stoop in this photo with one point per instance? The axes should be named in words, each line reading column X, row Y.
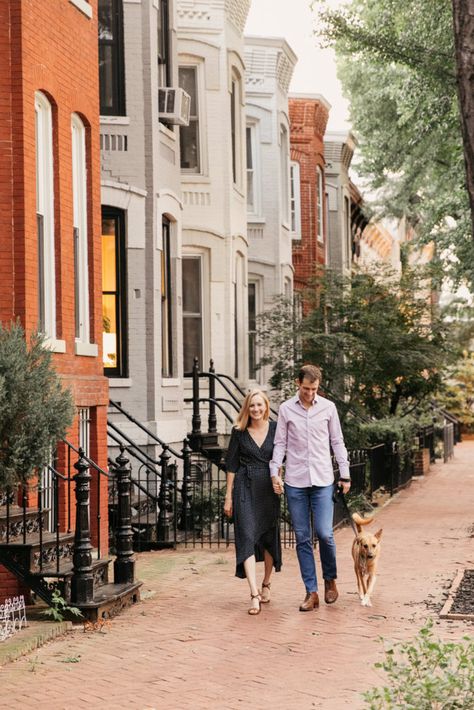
column 110, row 600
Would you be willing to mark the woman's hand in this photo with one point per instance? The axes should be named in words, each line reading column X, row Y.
column 228, row 506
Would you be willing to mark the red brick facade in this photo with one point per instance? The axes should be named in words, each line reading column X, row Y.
column 308, row 120
column 50, row 46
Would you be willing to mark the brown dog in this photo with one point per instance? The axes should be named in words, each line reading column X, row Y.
column 365, row 553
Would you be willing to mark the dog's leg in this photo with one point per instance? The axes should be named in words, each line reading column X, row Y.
column 370, row 588
column 360, row 581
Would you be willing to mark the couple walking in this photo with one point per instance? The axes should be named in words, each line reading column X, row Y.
column 308, row 427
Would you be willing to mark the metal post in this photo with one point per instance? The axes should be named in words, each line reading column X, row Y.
column 196, row 420
column 124, row 565
column 164, row 499
column 212, row 420
column 185, row 522
column 82, row 583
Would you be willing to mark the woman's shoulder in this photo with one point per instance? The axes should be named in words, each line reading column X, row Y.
column 273, row 425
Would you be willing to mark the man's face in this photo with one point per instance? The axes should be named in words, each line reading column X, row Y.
column 307, row 390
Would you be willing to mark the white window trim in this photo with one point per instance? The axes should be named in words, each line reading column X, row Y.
column 295, row 183
column 285, row 175
column 45, row 206
column 236, row 80
column 79, row 190
column 83, row 6
column 205, row 298
column 187, row 173
column 255, row 142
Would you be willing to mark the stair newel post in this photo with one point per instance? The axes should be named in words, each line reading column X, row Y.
column 196, row 420
column 164, row 501
column 124, row 565
column 185, row 522
column 82, row 583
column 212, row 421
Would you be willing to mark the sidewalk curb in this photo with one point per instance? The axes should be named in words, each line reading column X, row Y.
column 36, row 634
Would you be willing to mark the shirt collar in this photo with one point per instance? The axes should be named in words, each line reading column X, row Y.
column 297, row 401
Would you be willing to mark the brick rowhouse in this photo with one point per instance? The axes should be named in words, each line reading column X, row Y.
column 51, row 46
column 308, row 121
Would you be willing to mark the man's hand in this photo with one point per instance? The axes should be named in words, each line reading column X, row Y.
column 344, row 486
column 278, row 486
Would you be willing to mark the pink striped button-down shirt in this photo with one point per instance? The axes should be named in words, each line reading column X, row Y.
column 306, row 436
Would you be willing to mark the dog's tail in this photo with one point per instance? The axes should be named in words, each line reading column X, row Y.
column 359, row 520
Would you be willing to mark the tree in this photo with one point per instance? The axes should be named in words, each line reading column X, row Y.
column 35, row 411
column 463, row 20
column 396, row 63
column 378, row 338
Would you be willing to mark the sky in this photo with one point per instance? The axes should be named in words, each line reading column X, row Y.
column 315, row 71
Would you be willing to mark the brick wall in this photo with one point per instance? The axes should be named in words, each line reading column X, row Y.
column 308, row 120
column 422, row 462
column 51, row 46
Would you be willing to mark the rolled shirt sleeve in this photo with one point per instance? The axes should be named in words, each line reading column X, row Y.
column 279, row 443
column 337, row 444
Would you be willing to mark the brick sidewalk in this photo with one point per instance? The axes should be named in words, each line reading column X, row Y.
column 191, row 644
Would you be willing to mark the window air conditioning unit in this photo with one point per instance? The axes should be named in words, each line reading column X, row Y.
column 174, row 106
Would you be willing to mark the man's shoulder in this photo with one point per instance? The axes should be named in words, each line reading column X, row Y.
column 288, row 403
column 325, row 402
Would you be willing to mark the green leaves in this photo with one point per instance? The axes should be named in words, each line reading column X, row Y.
column 425, row 674
column 35, row 411
column 396, row 64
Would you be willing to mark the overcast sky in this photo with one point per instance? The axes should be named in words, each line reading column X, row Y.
column 315, row 71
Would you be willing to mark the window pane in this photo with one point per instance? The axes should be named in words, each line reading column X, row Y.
column 105, row 15
column 109, row 326
column 189, row 139
column 192, row 285
column 109, row 266
column 192, row 341
column 187, row 81
column 106, row 76
column 249, row 149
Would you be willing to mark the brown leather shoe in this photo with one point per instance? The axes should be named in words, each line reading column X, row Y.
column 330, row 591
column 311, row 601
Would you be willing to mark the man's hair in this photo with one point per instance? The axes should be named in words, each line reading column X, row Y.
column 311, row 372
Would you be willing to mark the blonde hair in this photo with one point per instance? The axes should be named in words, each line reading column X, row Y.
column 243, row 417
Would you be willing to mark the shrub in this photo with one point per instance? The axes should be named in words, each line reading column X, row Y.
column 35, row 411
column 426, row 674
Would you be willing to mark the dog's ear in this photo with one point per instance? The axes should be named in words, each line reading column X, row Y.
column 378, row 534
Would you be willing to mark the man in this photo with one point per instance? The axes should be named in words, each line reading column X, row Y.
column 308, row 425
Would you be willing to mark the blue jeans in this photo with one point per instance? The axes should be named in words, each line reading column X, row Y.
column 300, row 503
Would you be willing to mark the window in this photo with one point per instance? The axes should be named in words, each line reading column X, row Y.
column 236, row 131
column 285, row 201
column 189, row 135
column 45, row 216
column 114, row 301
column 253, row 186
column 81, row 259
column 320, row 204
column 84, row 420
column 252, row 291
column 166, row 304
column 295, row 200
column 164, row 63
column 111, row 58
column 192, row 311
column 347, row 233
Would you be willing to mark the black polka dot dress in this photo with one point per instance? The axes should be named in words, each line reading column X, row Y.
column 256, row 507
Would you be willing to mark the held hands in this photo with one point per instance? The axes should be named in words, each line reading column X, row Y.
column 278, row 485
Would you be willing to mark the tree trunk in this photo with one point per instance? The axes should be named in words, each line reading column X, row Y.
column 463, row 18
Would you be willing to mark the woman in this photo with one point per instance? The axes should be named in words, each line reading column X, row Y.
column 250, row 497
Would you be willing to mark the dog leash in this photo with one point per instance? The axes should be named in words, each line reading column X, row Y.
column 342, row 497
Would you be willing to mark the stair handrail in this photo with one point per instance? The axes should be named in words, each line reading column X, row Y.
column 153, row 436
column 216, row 401
column 131, row 446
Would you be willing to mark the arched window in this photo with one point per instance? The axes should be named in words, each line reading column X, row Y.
column 45, row 216
column 80, row 235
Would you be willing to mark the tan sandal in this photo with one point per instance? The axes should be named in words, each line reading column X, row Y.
column 265, row 596
column 253, row 611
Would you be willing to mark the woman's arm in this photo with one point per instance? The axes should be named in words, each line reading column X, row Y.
column 228, row 493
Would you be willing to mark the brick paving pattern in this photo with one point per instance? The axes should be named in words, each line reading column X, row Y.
column 191, row 644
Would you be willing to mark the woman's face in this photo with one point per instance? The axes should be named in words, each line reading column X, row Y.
column 257, row 407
